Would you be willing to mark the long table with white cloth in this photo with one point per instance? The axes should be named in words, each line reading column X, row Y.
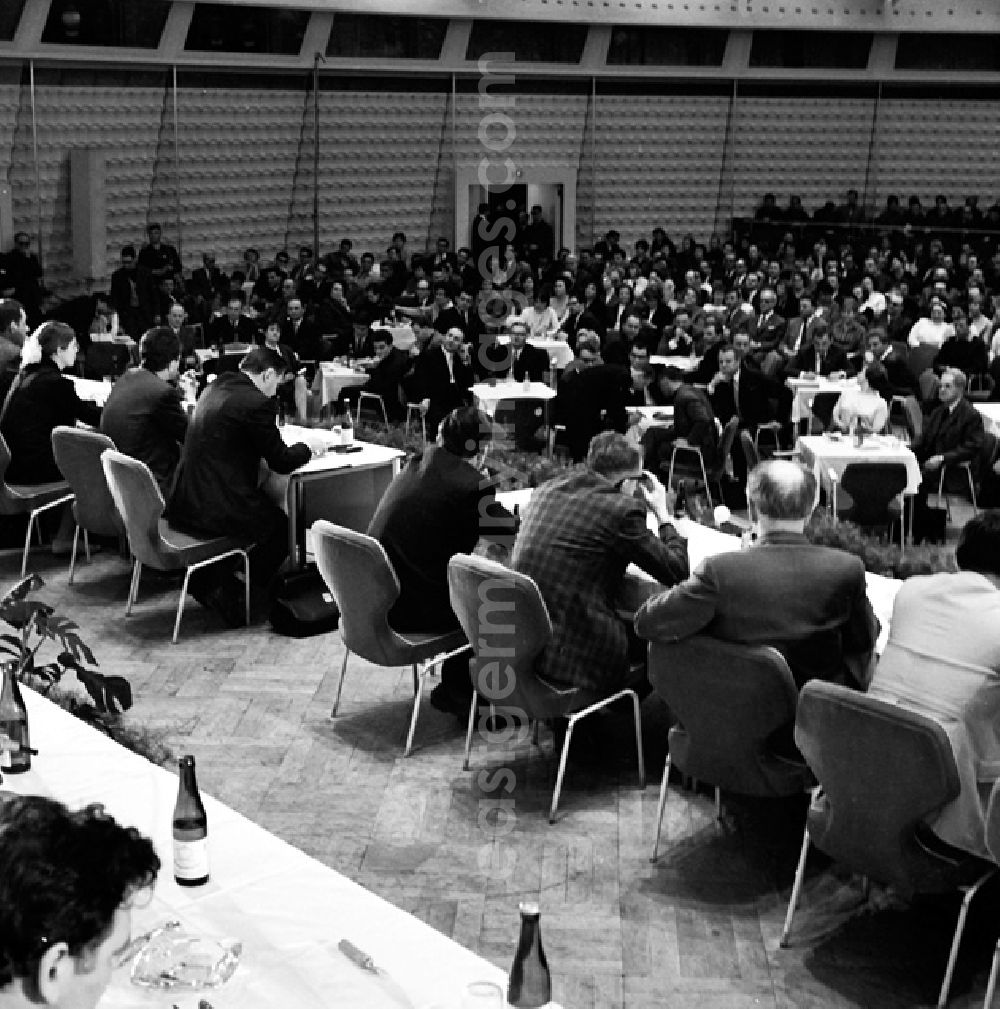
column 288, row 910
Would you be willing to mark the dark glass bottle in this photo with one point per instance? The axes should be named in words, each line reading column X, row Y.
column 190, row 829
column 530, row 984
column 15, row 744
column 680, row 501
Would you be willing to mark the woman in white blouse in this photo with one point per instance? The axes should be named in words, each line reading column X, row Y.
column 559, row 302
column 540, row 318
column 863, row 404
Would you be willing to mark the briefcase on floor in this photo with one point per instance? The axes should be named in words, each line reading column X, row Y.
column 302, row 605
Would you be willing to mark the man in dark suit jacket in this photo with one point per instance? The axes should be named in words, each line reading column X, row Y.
column 442, row 378
column 771, row 327
column 578, row 535
column 900, row 379
column 952, row 434
column 693, row 424
column 822, row 357
column 527, row 363
column 593, row 400
column 218, row 491
column 391, row 364
column 302, row 335
column 807, row 601
column 433, row 510
column 232, row 326
column 144, row 415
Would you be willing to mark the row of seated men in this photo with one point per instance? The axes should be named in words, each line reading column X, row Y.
column 582, row 529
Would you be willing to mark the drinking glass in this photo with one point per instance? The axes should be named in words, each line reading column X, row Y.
column 483, row 995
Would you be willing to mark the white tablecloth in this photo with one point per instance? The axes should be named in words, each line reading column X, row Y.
column 685, row 363
column 805, row 390
column 559, row 350
column 332, row 379
column 289, row 910
column 92, row 390
column 505, row 392
column 824, row 453
column 991, row 416
column 403, row 337
column 654, row 416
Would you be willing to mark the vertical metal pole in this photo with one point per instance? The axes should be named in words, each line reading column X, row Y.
column 316, row 61
column 872, row 147
column 177, row 173
column 38, row 173
column 455, row 240
column 731, row 154
column 593, row 158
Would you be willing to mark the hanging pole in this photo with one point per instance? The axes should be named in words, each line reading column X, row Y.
column 177, row 172
column 38, row 173
column 872, row 144
column 593, row 158
column 317, row 59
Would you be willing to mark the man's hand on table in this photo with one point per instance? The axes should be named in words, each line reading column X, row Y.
column 658, row 499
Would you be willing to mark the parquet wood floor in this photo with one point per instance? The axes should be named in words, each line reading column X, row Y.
column 699, row 928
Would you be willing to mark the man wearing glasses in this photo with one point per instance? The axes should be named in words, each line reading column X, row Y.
column 67, row 883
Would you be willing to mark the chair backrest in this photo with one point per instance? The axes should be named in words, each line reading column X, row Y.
column 921, row 358
column 77, row 453
column 729, row 700
column 749, row 450
column 360, row 577
column 914, row 417
column 823, row 405
column 872, row 487
column 882, row 769
column 504, row 617
column 139, row 502
column 988, row 455
column 993, row 822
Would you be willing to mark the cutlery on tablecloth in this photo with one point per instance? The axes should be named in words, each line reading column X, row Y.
column 361, row 959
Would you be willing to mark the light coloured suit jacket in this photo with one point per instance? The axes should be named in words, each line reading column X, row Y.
column 943, row 660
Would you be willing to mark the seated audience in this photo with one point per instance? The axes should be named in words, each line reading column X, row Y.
column 144, row 415
column 807, row 601
column 587, row 351
column 952, row 434
column 933, row 331
column 943, row 661
column 880, row 351
column 962, row 350
column 386, row 374
column 439, row 506
column 443, row 377
column 218, row 489
column 232, row 326
column 863, row 405
column 693, row 424
column 579, row 532
column 39, row 400
column 821, row 357
column 300, row 334
column 67, row 885
column 293, row 390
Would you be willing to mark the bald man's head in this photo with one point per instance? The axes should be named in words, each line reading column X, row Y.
column 782, row 490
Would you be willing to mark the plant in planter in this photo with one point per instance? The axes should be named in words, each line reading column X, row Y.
column 34, row 623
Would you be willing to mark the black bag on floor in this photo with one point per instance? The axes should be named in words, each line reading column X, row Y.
column 301, row 604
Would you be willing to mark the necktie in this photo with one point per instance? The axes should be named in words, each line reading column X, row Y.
column 736, row 395
column 451, row 371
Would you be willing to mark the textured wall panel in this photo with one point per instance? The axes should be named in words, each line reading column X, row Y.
column 816, row 147
column 659, row 159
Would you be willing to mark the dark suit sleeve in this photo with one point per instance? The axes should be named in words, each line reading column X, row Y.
column 169, row 415
column 71, row 408
column 263, row 434
column 681, row 611
column 664, row 557
column 861, row 633
column 971, row 439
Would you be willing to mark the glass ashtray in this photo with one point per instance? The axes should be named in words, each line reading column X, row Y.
column 174, row 958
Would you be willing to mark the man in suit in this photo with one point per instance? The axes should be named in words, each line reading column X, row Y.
column 527, row 364
column 189, row 337
column 208, row 283
column 821, row 357
column 579, row 533
column 693, row 424
column 232, row 326
column 302, row 335
column 771, row 327
column 443, row 377
column 952, row 434
column 807, row 601
column 385, row 376
column 943, row 660
column 898, row 375
column 738, row 389
column 439, row 506
column 593, row 400
column 144, row 415
column 218, row 489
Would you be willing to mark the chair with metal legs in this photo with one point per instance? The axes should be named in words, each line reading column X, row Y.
column 375, row 399
column 364, row 585
column 520, row 637
column 154, row 542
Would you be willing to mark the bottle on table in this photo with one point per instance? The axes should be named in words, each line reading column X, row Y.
column 680, row 501
column 190, row 829
column 530, row 985
column 347, row 430
column 15, row 742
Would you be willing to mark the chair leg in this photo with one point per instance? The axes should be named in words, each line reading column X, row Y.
column 340, row 682
column 562, row 769
column 180, row 605
column 246, row 588
column 72, row 556
column 991, row 985
column 708, row 486
column 956, row 941
column 27, row 545
column 660, row 807
column 416, row 678
column 670, row 474
column 793, row 899
column 718, row 803
column 418, row 693
column 972, row 490
column 640, row 757
column 133, row 589
column 473, row 707
column 86, row 544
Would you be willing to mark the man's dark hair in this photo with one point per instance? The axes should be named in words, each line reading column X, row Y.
column 465, row 431
column 128, row 250
column 10, row 313
column 381, row 336
column 53, row 336
column 780, row 489
column 153, row 226
column 63, row 875
column 979, row 544
column 610, row 452
column 235, row 296
column 158, row 348
column 258, row 360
